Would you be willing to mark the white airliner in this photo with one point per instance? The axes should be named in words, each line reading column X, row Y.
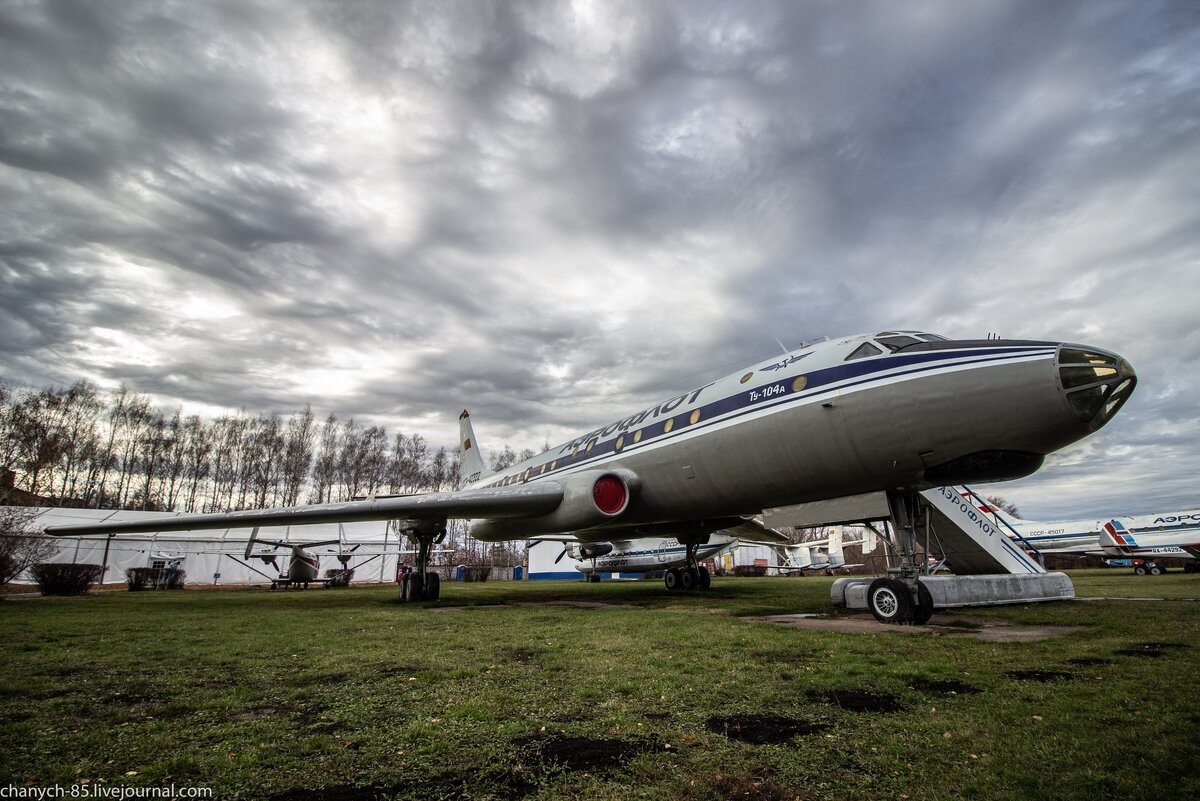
column 895, row 412
column 1143, row 538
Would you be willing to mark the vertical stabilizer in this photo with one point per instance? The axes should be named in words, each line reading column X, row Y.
column 836, row 557
column 473, row 468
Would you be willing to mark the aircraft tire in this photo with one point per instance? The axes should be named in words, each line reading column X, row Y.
column 924, row 608
column 890, row 601
column 1139, row 570
column 705, row 579
column 688, row 578
column 671, row 579
column 416, row 587
column 1155, row 570
column 433, row 586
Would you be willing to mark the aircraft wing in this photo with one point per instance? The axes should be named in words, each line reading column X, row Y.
column 753, row 532
column 523, row 500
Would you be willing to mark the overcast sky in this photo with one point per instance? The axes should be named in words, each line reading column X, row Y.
column 555, row 213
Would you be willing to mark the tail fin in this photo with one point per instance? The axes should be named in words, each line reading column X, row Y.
column 836, row 557
column 473, row 467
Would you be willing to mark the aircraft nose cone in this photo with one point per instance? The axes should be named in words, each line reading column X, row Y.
column 1095, row 383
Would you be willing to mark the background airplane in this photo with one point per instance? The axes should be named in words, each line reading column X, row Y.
column 1145, row 538
column 825, row 554
column 1175, row 536
column 893, row 412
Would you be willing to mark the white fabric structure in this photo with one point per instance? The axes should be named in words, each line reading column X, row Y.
column 217, row 557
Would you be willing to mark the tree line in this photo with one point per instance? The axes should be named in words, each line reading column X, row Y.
column 77, row 446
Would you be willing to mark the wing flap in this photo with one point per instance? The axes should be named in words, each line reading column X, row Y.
column 525, row 500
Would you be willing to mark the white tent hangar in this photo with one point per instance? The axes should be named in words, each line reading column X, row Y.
column 217, row 557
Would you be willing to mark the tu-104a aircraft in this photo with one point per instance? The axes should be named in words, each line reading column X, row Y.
column 897, row 412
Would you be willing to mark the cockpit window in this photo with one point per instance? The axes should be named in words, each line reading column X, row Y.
column 863, row 351
column 932, row 338
column 897, row 342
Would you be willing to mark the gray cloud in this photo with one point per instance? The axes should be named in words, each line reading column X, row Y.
column 558, row 213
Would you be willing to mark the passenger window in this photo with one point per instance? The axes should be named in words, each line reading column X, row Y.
column 863, row 351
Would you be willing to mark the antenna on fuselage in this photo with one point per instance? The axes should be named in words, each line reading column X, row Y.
column 782, row 347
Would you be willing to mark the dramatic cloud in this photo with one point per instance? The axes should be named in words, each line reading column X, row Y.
column 557, row 212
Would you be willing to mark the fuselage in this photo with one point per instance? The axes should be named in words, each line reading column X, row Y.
column 645, row 555
column 303, row 566
column 900, row 410
column 1168, row 530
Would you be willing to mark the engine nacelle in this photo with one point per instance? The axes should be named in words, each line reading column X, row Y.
column 590, row 498
column 594, row 550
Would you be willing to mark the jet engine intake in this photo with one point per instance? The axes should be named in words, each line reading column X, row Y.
column 590, row 498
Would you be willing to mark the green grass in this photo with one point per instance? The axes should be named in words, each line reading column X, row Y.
column 347, row 694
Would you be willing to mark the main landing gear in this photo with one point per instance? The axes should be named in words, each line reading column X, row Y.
column 1148, row 567
column 693, row 575
column 422, row 584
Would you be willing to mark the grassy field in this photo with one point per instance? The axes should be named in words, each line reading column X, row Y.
column 616, row 690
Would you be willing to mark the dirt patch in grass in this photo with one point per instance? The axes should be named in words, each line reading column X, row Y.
column 398, row 670
column 318, row 679
column 574, row 753
column 743, row 786
column 762, row 729
column 1089, row 661
column 1150, row 650
column 519, row 655
column 858, row 700
column 943, row 687
column 990, row 630
column 1044, row 676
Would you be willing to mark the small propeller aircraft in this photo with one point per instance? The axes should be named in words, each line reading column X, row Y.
column 825, row 555
column 895, row 412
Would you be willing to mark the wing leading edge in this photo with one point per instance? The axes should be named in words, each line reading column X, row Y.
column 524, row 500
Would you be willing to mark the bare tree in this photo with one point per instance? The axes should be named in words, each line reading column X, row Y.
column 19, row 549
column 1004, row 505
column 505, row 459
column 297, row 454
column 325, row 466
column 407, row 468
column 199, row 448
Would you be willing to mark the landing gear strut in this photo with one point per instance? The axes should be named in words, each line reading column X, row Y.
column 693, row 575
column 901, row 597
column 422, row 584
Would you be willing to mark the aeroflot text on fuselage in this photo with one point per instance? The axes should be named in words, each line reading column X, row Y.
column 1178, row 519
column 653, row 412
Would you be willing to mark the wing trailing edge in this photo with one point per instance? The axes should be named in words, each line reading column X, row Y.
column 524, row 500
